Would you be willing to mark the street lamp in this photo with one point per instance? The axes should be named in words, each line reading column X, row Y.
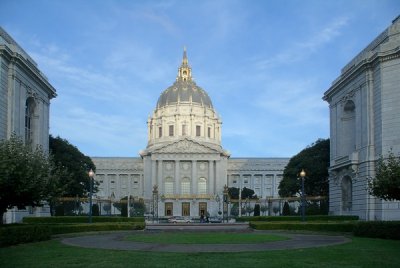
column 302, row 175
column 91, row 175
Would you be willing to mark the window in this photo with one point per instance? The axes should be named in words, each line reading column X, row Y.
column 202, row 186
column 169, row 208
column 184, row 130
column 159, row 132
column 169, row 186
column 209, row 132
column 347, row 193
column 171, row 131
column 185, row 209
column 185, row 186
column 198, row 131
column 29, row 112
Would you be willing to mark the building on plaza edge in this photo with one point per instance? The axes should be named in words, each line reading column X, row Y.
column 365, row 124
column 184, row 158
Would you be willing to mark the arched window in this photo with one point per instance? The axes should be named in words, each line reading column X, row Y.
column 185, row 186
column 347, row 193
column 169, row 186
column 202, row 186
column 29, row 124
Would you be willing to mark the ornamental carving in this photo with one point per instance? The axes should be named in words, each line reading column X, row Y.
column 186, row 146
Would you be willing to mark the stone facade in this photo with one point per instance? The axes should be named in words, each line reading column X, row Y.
column 184, row 158
column 25, row 95
column 365, row 124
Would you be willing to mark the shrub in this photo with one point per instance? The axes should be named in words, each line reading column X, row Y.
column 256, row 210
column 314, row 226
column 95, row 210
column 286, row 209
column 378, row 229
column 16, row 234
column 79, row 219
column 298, row 218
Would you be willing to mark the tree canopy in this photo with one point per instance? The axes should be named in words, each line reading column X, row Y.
column 246, row 193
column 27, row 176
column 315, row 161
column 75, row 181
column 386, row 184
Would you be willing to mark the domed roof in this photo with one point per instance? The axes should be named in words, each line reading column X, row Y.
column 184, row 90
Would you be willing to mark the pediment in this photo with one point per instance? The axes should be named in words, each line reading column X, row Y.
column 187, row 146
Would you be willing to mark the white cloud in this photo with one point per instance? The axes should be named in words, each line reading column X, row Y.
column 303, row 49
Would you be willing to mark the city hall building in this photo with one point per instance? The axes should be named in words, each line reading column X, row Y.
column 364, row 103
column 184, row 160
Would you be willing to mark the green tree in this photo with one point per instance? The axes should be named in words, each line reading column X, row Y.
column 386, row 184
column 233, row 193
column 75, row 181
column 27, row 176
column 315, row 161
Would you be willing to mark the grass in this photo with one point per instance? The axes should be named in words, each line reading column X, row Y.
column 361, row 252
column 204, row 238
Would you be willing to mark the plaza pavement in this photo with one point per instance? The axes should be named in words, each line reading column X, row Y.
column 116, row 240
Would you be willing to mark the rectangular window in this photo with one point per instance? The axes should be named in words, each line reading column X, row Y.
column 198, row 131
column 184, row 130
column 185, row 209
column 159, row 132
column 209, row 132
column 169, row 187
column 171, row 131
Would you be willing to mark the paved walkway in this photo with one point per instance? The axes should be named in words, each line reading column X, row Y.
column 116, row 241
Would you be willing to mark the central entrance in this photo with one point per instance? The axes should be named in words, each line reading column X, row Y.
column 202, row 208
column 186, row 209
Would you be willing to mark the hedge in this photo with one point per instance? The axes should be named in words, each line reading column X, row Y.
column 309, row 226
column 79, row 219
column 378, row 229
column 16, row 234
column 24, row 233
column 93, row 227
column 297, row 218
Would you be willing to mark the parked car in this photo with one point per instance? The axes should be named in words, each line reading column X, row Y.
column 215, row 220
column 180, row 219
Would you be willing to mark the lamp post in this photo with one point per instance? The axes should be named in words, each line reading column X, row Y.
column 91, row 175
column 225, row 204
column 218, row 199
column 302, row 175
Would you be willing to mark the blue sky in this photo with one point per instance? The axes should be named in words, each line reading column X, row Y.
column 265, row 64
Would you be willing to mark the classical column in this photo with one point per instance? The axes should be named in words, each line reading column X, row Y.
column 210, row 188
column 159, row 176
column 194, row 177
column 177, row 180
column 153, row 173
column 263, row 178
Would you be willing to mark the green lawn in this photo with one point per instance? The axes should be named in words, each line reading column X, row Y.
column 204, row 238
column 361, row 252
